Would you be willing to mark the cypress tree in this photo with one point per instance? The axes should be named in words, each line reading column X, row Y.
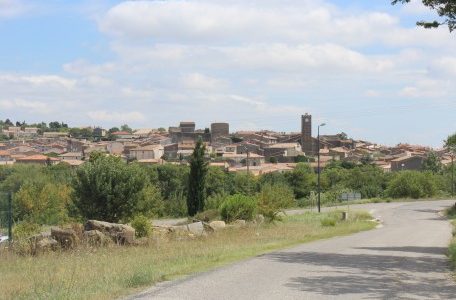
column 197, row 181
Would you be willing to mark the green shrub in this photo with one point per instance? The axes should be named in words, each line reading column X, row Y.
column 273, row 199
column 142, row 226
column 215, row 201
column 238, row 207
column 412, row 184
column 328, row 222
column 25, row 230
column 176, row 205
column 208, row 215
column 22, row 244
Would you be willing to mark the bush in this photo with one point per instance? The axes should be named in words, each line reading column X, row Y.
column 215, row 201
column 25, row 230
column 238, row 207
column 273, row 199
column 43, row 203
column 412, row 184
column 328, row 222
column 108, row 189
column 142, row 226
column 176, row 205
column 207, row 215
column 22, row 232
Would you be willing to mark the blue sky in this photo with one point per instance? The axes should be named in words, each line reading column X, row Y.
column 360, row 66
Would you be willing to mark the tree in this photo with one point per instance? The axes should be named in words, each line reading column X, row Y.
column 412, row 184
column 432, row 163
column 272, row 199
column 197, row 181
column 451, row 141
column 114, row 129
column 108, row 189
column 126, row 128
column 216, row 182
column 369, row 180
column 446, row 9
column 301, row 180
column 8, row 122
column 367, row 160
column 236, row 139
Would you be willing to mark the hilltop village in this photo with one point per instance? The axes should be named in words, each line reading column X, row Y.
column 258, row 152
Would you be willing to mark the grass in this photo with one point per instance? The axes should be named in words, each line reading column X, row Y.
column 451, row 214
column 106, row 273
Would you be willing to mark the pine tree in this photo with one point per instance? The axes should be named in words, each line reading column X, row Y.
column 446, row 9
column 197, row 181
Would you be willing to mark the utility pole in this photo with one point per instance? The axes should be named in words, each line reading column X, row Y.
column 318, row 166
column 248, row 167
column 452, row 175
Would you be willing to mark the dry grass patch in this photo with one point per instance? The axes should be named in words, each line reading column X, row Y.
column 106, row 273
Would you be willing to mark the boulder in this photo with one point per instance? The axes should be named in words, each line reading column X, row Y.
column 196, row 228
column 119, row 233
column 46, row 245
column 67, row 238
column 179, row 228
column 144, row 241
column 259, row 219
column 37, row 244
column 239, row 223
column 162, row 230
column 96, row 238
column 217, row 225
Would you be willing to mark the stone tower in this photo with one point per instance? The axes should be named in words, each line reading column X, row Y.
column 306, row 134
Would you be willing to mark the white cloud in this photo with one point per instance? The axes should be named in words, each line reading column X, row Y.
column 283, row 57
column 82, row 67
column 203, row 82
column 12, row 8
column 444, row 66
column 122, row 117
column 372, row 93
column 38, row 80
column 426, row 88
column 34, row 106
column 415, row 7
column 234, row 22
column 257, row 63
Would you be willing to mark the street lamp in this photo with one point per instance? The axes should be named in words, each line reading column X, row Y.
column 318, row 168
column 452, row 151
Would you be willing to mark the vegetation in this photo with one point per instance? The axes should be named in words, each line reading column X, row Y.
column 116, row 271
column 142, row 226
column 273, row 199
column 197, row 180
column 238, row 207
column 108, row 189
column 446, row 9
column 451, row 214
column 414, row 185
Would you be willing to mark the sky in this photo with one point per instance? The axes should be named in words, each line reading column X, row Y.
column 362, row 67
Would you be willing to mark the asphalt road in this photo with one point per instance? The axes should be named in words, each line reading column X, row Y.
column 404, row 259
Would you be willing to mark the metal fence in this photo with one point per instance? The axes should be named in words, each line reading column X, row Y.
column 350, row 196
